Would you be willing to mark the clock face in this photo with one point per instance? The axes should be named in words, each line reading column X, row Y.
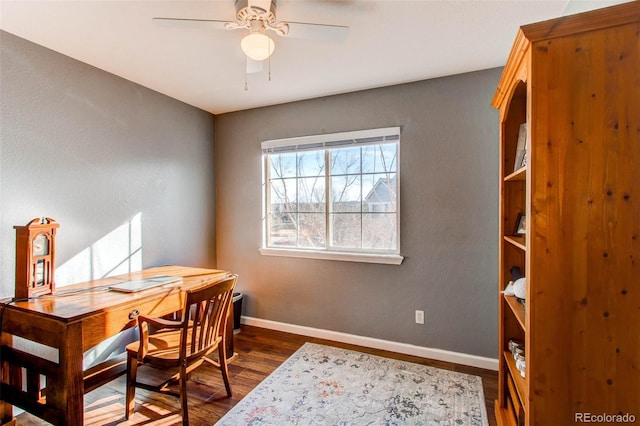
column 40, row 245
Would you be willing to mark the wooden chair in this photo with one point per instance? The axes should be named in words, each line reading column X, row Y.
column 179, row 347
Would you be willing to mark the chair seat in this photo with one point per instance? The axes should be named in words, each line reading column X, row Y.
column 163, row 348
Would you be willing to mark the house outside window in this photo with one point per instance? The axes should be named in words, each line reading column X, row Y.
column 333, row 196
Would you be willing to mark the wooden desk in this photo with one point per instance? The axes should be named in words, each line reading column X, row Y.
column 72, row 321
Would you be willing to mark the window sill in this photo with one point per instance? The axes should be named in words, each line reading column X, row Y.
column 387, row 259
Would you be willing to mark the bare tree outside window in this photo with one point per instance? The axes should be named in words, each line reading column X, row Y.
column 334, row 198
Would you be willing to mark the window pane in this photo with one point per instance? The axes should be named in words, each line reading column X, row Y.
column 282, row 165
column 345, row 229
column 379, row 158
column 345, row 161
column 311, row 194
column 327, row 193
column 312, row 230
column 346, row 193
column 379, row 231
column 283, row 195
column 311, row 163
column 381, row 192
column 282, row 232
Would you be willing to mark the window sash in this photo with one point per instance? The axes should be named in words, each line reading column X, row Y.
column 328, row 142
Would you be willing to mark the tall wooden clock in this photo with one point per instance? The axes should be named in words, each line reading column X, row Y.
column 35, row 258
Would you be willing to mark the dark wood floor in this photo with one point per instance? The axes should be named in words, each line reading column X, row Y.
column 260, row 351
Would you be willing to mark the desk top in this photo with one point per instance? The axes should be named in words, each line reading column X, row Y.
column 76, row 301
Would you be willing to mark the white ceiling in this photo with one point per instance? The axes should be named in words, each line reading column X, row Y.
column 389, row 42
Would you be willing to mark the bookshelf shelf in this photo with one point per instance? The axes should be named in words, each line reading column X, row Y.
column 517, row 309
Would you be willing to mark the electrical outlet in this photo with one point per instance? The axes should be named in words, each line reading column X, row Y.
column 419, row 317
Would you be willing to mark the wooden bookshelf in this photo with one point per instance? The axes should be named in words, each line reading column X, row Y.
column 574, row 82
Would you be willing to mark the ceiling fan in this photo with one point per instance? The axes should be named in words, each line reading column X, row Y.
column 259, row 17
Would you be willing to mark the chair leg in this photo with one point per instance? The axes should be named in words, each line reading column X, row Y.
column 183, row 396
column 132, row 370
column 222, row 355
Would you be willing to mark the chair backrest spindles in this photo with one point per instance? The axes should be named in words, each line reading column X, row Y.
column 208, row 307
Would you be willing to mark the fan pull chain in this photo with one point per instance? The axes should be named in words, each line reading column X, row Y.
column 269, row 66
column 246, row 85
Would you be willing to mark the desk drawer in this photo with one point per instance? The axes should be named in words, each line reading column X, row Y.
column 113, row 320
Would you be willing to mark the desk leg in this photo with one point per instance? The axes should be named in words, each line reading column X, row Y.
column 66, row 391
column 6, row 410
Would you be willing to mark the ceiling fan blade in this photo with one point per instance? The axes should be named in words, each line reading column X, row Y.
column 190, row 23
column 322, row 32
column 254, row 66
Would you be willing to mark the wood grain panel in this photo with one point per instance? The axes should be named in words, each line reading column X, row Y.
column 582, row 195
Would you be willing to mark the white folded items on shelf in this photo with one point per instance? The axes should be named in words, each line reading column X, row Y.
column 517, row 288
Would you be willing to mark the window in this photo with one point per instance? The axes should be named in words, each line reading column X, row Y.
column 333, row 196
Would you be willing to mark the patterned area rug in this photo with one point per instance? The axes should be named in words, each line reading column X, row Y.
column 323, row 385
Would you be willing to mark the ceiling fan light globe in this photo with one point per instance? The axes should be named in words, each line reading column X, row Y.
column 257, row 46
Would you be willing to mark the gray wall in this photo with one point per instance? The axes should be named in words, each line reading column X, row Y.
column 96, row 152
column 449, row 227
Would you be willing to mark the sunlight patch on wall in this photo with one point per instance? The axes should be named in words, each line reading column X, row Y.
column 118, row 252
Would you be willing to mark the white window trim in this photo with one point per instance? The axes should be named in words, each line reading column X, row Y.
column 386, row 259
column 317, row 141
column 329, row 137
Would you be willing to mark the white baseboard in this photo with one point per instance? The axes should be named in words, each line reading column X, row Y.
column 403, row 348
